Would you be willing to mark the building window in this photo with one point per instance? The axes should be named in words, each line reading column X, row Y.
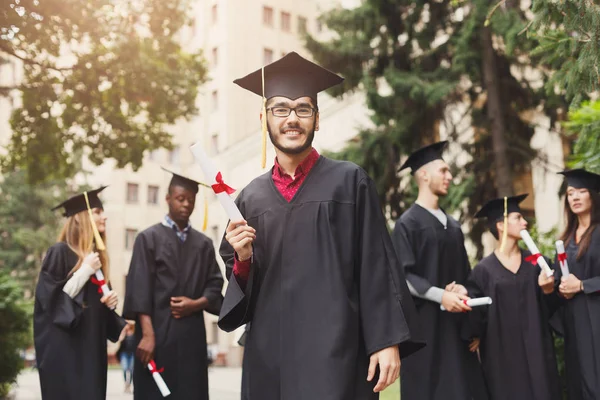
column 215, row 234
column 153, row 155
column 267, row 16
column 174, row 155
column 214, row 14
column 215, row 100
column 319, row 26
column 214, row 143
column 267, row 56
column 301, row 25
column 152, row 194
column 132, row 192
column 130, row 235
column 215, row 56
column 286, row 21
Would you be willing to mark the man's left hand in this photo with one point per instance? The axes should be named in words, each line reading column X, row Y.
column 182, row 306
column 388, row 360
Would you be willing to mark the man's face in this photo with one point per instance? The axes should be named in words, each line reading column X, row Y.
column 291, row 134
column 439, row 177
column 181, row 203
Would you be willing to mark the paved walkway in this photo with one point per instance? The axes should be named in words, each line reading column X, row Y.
column 224, row 385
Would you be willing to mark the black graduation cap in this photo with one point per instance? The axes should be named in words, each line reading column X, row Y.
column 180, row 180
column 493, row 210
column 424, row 155
column 77, row 204
column 291, row 76
column 582, row 179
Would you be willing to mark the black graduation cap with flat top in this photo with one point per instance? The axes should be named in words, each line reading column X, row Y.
column 77, row 204
column 292, row 76
column 493, row 210
column 180, row 180
column 582, row 179
column 424, row 155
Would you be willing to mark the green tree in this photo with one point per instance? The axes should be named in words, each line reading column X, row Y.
column 584, row 124
column 415, row 60
column 15, row 317
column 108, row 77
column 27, row 226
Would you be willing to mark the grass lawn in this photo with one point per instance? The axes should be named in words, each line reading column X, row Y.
column 391, row 393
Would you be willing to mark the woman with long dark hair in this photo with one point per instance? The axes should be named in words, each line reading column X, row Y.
column 72, row 319
column 580, row 313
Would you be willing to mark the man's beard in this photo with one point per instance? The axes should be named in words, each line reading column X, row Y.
column 438, row 192
column 294, row 150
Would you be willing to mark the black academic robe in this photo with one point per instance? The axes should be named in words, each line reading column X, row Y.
column 517, row 349
column 580, row 320
column 70, row 334
column 162, row 266
column 432, row 255
column 324, row 292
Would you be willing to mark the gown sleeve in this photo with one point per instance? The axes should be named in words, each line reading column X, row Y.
column 64, row 311
column 139, row 292
column 388, row 314
column 402, row 244
column 214, row 283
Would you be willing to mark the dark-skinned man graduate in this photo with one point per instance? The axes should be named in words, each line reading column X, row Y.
column 173, row 278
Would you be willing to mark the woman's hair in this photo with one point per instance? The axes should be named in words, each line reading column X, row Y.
column 77, row 233
column 573, row 223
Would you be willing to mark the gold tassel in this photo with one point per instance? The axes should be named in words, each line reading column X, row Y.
column 263, row 161
column 205, row 223
column 99, row 242
column 505, row 231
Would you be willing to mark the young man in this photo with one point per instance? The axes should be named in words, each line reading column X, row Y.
column 515, row 342
column 312, row 269
column 173, row 278
column 430, row 245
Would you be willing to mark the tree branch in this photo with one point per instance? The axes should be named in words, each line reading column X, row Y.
column 11, row 52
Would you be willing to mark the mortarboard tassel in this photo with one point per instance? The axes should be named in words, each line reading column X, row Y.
column 505, row 231
column 263, row 161
column 205, row 223
column 99, row 242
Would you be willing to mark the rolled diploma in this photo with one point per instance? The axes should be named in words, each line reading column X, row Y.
column 162, row 386
column 534, row 250
column 564, row 266
column 210, row 172
column 476, row 302
column 104, row 287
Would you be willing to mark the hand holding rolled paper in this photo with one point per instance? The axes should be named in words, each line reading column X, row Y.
column 536, row 257
column 476, row 302
column 562, row 258
column 162, row 386
column 215, row 179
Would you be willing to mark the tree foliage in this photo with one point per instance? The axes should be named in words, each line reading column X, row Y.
column 105, row 76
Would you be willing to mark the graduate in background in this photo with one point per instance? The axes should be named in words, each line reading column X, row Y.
column 515, row 341
column 580, row 313
column 173, row 278
column 72, row 320
column 313, row 270
column 430, row 246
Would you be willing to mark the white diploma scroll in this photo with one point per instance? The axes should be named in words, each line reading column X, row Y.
column 541, row 261
column 162, row 386
column 476, row 302
column 562, row 258
column 212, row 176
column 105, row 289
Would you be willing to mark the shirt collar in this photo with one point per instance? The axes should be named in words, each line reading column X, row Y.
column 171, row 224
column 303, row 168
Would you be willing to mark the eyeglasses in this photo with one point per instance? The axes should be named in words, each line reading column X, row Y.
column 301, row 112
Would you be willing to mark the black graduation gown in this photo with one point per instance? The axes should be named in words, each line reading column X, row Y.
column 70, row 334
column 432, row 255
column 580, row 320
column 162, row 266
column 324, row 292
column 517, row 349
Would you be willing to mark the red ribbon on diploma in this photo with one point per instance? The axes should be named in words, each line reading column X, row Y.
column 562, row 257
column 98, row 283
column 221, row 186
column 533, row 259
column 153, row 368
